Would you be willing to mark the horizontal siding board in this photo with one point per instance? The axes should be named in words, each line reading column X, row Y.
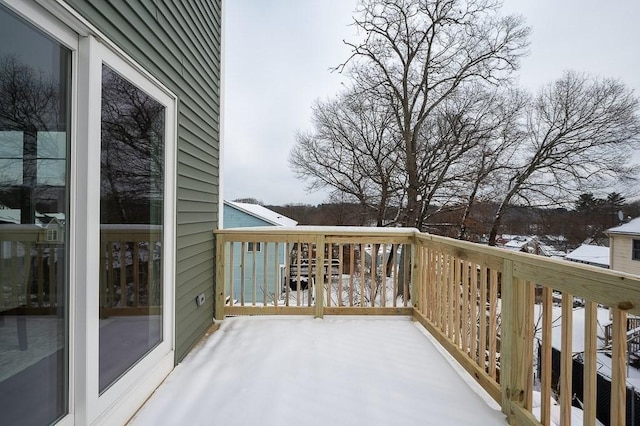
column 193, row 177
column 195, row 226
column 207, row 147
column 196, row 207
column 195, row 39
column 200, row 119
column 191, row 161
column 196, row 250
column 194, row 278
column 179, row 44
column 187, row 219
column 191, row 234
column 195, row 240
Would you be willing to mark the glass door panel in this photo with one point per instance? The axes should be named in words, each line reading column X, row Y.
column 35, row 75
column 131, row 225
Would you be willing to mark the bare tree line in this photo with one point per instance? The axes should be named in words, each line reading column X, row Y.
column 432, row 119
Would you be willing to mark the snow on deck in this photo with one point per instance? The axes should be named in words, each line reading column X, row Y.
column 334, row 371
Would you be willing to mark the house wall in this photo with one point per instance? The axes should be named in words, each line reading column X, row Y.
column 620, row 246
column 179, row 43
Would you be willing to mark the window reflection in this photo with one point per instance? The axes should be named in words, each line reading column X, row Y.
column 131, row 215
column 34, row 144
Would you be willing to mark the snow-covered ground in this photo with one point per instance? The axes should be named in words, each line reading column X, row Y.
column 333, row 371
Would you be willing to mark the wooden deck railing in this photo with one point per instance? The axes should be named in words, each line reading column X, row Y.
column 31, row 269
column 486, row 306
column 130, row 265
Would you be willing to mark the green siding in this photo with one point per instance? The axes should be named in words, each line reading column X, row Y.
column 179, row 44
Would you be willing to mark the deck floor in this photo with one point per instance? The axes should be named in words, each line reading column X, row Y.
column 335, row 371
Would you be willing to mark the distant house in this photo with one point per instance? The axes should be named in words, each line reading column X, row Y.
column 590, row 255
column 242, row 215
column 624, row 244
column 516, row 243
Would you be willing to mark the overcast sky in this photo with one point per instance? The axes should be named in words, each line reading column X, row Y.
column 278, row 55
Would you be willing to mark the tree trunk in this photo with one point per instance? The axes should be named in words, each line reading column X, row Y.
column 497, row 220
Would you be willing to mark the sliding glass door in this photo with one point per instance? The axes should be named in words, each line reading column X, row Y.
column 131, row 225
column 35, row 93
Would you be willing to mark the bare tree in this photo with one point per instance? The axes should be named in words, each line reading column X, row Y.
column 493, row 118
column 579, row 132
column 31, row 104
column 416, row 54
column 132, row 159
column 353, row 150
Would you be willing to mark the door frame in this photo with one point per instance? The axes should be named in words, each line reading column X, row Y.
column 90, row 48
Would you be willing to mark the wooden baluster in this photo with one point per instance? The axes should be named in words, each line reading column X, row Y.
column 287, row 274
column 457, row 311
column 383, row 274
column 566, row 359
column 52, row 275
column 465, row 308
column 254, row 270
column 363, row 271
column 473, row 314
column 545, row 369
column 232, row 249
column 135, row 259
column 618, row 367
column 374, row 265
column 340, row 271
column 220, row 284
column 493, row 325
column 123, row 274
column 40, row 279
column 442, row 293
column 276, row 282
column 590, row 359
column 482, row 349
column 243, row 266
column 452, row 300
column 265, row 266
column 352, row 250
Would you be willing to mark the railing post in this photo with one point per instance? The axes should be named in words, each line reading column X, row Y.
column 516, row 350
column 319, row 287
column 218, row 285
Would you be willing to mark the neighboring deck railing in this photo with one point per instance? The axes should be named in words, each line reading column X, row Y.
column 486, row 306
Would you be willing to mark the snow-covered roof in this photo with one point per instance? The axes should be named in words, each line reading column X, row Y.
column 263, row 213
column 593, row 255
column 515, row 242
column 631, row 227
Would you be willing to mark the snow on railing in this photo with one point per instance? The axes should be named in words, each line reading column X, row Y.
column 499, row 313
